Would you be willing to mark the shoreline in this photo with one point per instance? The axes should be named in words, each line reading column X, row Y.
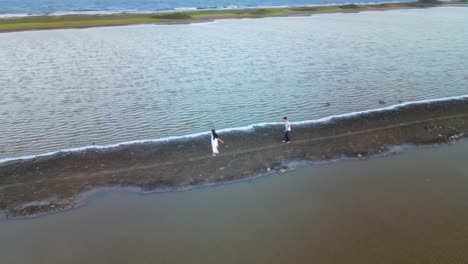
column 43, row 208
column 380, row 210
column 229, row 130
column 53, row 183
column 80, row 21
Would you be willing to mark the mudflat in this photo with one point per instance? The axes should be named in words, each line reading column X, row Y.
column 44, row 184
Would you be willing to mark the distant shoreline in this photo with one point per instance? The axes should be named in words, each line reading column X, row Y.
column 186, row 17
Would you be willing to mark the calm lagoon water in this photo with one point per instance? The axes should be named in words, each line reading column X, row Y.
column 71, row 88
column 407, row 208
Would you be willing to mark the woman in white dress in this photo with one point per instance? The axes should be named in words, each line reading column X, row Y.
column 214, row 142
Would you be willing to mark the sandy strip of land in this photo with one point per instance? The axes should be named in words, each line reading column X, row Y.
column 29, row 187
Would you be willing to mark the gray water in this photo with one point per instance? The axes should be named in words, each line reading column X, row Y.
column 408, row 208
column 70, row 88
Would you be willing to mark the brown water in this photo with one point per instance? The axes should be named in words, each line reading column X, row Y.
column 406, row 208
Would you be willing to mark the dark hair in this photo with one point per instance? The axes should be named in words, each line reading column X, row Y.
column 214, row 134
column 285, row 118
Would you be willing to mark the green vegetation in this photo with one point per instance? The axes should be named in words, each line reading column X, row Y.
column 171, row 16
column 350, row 6
column 431, row 2
column 252, row 12
column 81, row 21
column 308, row 8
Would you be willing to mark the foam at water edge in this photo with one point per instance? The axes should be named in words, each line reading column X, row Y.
column 6, row 16
column 185, row 8
column 244, row 128
column 392, row 107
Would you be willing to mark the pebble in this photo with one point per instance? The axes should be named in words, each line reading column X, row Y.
column 457, row 136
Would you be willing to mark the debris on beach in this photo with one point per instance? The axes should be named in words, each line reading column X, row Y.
column 459, row 135
column 445, row 132
column 36, row 208
column 279, row 169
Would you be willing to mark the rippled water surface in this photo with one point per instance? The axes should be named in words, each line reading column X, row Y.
column 405, row 209
column 62, row 89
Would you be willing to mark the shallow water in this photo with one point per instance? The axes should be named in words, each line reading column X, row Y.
column 406, row 208
column 63, row 89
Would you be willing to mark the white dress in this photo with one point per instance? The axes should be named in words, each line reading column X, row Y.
column 214, row 145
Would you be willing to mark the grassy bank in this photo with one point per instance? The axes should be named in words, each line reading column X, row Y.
column 83, row 21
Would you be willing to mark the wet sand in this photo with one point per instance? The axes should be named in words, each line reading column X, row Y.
column 47, row 184
column 407, row 208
